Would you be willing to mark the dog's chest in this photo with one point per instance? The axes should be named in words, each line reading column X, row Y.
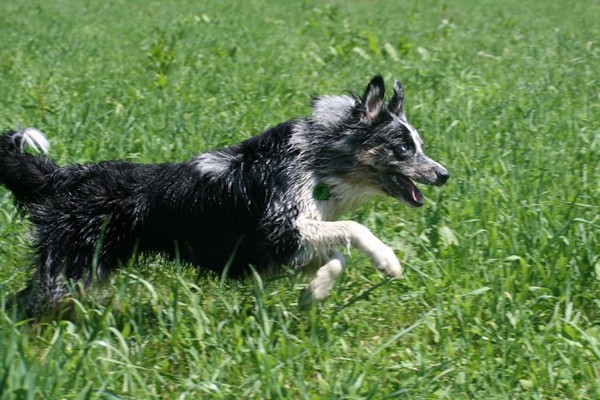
column 337, row 200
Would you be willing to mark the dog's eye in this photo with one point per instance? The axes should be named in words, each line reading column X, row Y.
column 404, row 147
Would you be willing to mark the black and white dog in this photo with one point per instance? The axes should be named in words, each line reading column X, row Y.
column 269, row 201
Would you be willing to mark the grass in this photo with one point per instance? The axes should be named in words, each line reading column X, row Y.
column 501, row 295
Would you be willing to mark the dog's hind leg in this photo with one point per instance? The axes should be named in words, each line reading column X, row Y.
column 45, row 290
column 318, row 289
column 62, row 273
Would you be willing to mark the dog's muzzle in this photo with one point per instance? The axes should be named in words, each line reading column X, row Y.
column 431, row 173
column 442, row 176
column 403, row 188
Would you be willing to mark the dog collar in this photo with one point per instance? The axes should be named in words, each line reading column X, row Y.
column 321, row 191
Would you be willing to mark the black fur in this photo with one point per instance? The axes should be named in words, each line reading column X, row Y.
column 168, row 209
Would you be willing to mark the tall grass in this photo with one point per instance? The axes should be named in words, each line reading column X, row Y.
column 501, row 295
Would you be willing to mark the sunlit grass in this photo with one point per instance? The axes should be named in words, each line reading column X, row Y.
column 500, row 298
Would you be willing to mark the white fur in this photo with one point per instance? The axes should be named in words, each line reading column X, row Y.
column 416, row 139
column 413, row 133
column 214, row 164
column 35, row 139
column 346, row 196
column 328, row 111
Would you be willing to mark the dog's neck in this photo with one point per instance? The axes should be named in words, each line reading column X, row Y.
column 342, row 197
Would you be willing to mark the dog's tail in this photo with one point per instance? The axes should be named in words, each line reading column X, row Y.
column 22, row 173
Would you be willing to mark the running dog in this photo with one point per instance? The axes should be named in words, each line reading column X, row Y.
column 272, row 200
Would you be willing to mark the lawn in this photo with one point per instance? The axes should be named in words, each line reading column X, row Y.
column 501, row 296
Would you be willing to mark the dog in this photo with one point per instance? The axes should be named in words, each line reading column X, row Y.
column 272, row 200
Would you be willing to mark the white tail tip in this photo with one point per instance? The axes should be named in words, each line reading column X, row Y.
column 35, row 139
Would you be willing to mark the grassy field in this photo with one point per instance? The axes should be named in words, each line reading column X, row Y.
column 501, row 297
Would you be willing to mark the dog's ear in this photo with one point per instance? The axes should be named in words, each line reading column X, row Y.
column 397, row 101
column 373, row 98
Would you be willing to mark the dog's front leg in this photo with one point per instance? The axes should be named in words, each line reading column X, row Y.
column 319, row 240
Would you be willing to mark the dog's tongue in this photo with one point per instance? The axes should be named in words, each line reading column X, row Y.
column 411, row 189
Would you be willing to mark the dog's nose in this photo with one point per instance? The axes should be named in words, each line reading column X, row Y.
column 442, row 177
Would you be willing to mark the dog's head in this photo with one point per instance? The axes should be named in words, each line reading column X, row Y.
column 376, row 145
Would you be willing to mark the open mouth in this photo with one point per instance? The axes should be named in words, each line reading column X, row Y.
column 407, row 190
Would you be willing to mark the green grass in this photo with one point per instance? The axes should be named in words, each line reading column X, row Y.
column 501, row 298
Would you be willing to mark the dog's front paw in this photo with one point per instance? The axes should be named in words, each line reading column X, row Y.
column 387, row 262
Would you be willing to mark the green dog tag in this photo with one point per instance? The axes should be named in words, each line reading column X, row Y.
column 321, row 192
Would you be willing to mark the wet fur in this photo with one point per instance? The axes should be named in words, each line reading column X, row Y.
column 249, row 204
